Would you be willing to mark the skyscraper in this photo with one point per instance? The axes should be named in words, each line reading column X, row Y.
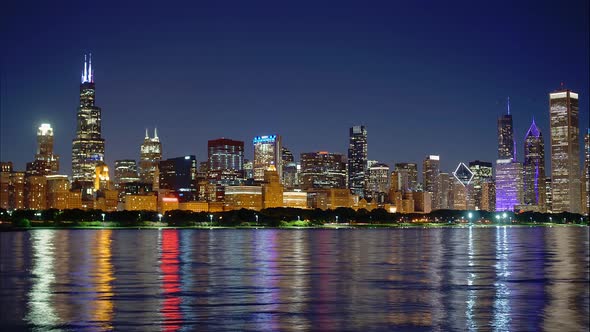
column 151, row 154
column 267, row 152
column 378, row 182
column 179, row 175
column 357, row 160
column 534, row 168
column 482, row 173
column 226, row 161
column 506, row 143
column 508, row 185
column 430, row 171
column 323, row 170
column 586, row 175
column 508, row 171
column 45, row 162
column 565, row 151
column 88, row 145
column 125, row 172
column 407, row 176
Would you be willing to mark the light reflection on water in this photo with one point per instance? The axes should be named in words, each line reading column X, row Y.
column 408, row 279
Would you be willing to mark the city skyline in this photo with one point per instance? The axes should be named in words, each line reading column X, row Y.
column 335, row 94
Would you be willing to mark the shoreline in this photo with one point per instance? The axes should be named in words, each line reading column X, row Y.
column 287, row 227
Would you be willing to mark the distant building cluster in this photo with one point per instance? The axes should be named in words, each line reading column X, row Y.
column 320, row 179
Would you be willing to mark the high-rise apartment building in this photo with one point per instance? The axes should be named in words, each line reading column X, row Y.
column 357, row 160
column 430, row 171
column 323, row 170
column 88, row 145
column 534, row 168
column 565, row 151
column 46, row 162
column 267, row 152
column 150, row 156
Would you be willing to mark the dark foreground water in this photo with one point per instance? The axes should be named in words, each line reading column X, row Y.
column 517, row 279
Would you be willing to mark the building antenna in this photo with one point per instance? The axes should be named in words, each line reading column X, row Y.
column 508, row 105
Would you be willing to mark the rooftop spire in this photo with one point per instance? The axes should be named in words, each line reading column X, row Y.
column 90, row 74
column 508, row 104
column 146, row 134
column 156, row 132
column 85, row 70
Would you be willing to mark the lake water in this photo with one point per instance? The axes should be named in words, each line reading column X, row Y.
column 445, row 279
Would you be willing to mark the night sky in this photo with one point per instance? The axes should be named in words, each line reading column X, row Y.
column 424, row 77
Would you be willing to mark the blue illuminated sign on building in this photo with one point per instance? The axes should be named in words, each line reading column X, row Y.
column 264, row 139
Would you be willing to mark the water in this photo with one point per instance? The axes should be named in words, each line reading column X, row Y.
column 517, row 279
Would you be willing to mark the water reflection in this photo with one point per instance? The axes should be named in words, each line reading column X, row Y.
column 41, row 309
column 508, row 278
column 169, row 268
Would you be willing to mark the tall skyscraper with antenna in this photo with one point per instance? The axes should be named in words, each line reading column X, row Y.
column 506, row 143
column 88, row 145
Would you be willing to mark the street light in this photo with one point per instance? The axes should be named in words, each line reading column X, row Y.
column 211, row 219
column 336, row 219
column 159, row 217
column 256, row 216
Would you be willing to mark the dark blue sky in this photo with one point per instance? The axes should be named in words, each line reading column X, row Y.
column 424, row 77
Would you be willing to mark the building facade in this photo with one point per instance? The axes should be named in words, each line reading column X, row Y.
column 125, row 172
column 482, row 173
column 430, row 171
column 357, row 160
column 226, row 161
column 150, row 156
column 407, row 176
column 267, row 152
column 534, row 168
column 509, row 184
column 506, row 142
column 322, row 170
column 565, row 151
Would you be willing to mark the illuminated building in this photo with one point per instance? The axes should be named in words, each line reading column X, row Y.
column 404, row 202
column 101, row 177
column 378, row 182
column 443, row 192
column 488, row 196
column 5, row 170
column 168, row 203
column 322, row 170
column 125, row 172
column 248, row 169
column 45, row 161
column 141, row 203
column 106, row 200
column 16, row 198
column 482, row 173
column 194, row 206
column 88, row 146
column 58, row 191
column 407, row 176
column 267, row 152
column 272, row 189
column 330, row 198
column 295, row 199
column 422, row 201
column 150, row 156
column 35, row 192
column 534, row 168
column 586, row 175
column 565, row 151
column 430, row 171
column 247, row 197
column 226, row 161
column 509, row 184
column 506, row 143
column 357, row 160
column 291, row 175
column 179, row 175
column 460, row 194
column 548, row 194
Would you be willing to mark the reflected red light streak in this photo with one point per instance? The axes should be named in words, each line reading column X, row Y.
column 169, row 265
